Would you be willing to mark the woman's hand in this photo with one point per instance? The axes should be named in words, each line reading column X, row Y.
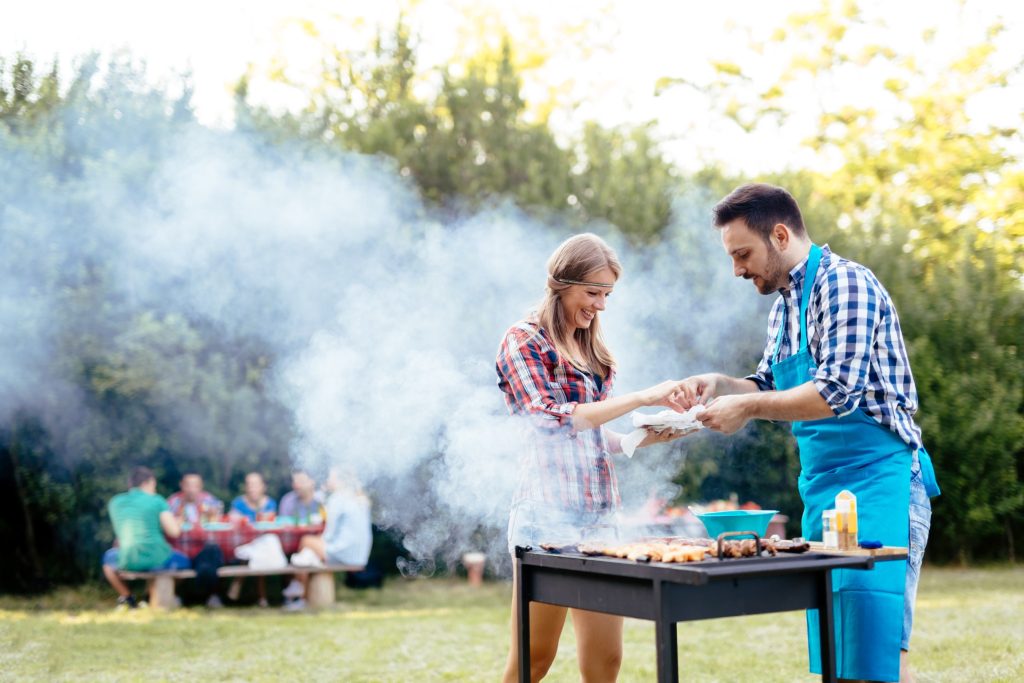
column 664, row 436
column 668, row 394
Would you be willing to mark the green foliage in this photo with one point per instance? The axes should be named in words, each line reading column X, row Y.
column 119, row 383
column 471, row 142
column 625, row 180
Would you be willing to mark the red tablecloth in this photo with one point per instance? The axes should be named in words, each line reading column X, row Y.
column 192, row 540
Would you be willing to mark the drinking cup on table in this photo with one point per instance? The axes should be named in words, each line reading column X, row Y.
column 216, row 511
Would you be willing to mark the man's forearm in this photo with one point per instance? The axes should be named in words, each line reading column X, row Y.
column 797, row 404
column 727, row 386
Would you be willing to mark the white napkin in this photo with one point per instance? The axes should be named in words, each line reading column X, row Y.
column 263, row 552
column 659, row 422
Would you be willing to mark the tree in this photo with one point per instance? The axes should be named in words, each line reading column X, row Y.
column 474, row 141
column 933, row 202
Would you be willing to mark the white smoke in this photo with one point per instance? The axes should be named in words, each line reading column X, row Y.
column 384, row 316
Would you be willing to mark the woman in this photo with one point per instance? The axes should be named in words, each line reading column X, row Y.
column 555, row 370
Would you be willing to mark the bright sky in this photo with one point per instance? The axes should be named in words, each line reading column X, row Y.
column 643, row 40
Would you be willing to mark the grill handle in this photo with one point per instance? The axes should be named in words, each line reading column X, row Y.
column 727, row 534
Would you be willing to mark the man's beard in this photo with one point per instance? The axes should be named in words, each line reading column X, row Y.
column 775, row 276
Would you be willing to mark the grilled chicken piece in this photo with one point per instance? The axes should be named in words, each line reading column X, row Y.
column 590, row 549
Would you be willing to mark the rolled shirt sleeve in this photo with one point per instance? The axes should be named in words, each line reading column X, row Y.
column 525, row 371
column 849, row 320
column 763, row 377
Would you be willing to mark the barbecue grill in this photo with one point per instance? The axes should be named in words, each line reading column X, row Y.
column 669, row 593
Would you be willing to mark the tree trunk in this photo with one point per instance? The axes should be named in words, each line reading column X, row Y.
column 1009, row 541
column 30, row 532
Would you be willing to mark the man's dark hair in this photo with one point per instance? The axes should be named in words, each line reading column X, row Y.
column 140, row 475
column 762, row 207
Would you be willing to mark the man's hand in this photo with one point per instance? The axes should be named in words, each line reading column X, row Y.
column 727, row 414
column 170, row 526
column 698, row 389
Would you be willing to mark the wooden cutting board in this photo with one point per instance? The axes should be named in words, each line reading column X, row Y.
column 818, row 547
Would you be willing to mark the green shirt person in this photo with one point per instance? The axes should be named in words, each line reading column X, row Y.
column 141, row 520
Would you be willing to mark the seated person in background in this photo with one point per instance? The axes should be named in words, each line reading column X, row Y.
column 254, row 501
column 347, row 536
column 192, row 504
column 141, row 517
column 303, row 503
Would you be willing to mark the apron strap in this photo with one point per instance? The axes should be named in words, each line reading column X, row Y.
column 813, row 259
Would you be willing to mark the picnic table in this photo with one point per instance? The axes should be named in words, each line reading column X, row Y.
column 231, row 534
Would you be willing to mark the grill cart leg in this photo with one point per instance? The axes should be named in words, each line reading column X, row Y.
column 665, row 640
column 523, row 617
column 826, row 626
column 668, row 658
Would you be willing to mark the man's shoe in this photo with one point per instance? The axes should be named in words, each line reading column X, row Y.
column 127, row 601
column 214, row 602
column 262, row 602
column 296, row 605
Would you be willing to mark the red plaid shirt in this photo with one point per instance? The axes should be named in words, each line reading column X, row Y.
column 569, row 469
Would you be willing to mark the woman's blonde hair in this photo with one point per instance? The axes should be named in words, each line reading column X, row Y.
column 574, row 260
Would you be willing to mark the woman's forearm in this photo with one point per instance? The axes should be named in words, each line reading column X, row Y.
column 590, row 415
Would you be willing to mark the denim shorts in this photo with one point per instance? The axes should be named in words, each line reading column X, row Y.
column 920, row 523
column 530, row 524
column 177, row 560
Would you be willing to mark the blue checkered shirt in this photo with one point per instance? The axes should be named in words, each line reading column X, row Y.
column 855, row 339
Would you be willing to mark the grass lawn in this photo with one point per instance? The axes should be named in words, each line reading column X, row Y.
column 970, row 628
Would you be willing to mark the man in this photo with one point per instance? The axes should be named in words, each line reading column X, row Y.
column 141, row 518
column 347, row 537
column 191, row 503
column 254, row 501
column 834, row 365
column 303, row 503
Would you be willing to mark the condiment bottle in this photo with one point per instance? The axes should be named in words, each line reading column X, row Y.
column 846, row 506
column 829, row 536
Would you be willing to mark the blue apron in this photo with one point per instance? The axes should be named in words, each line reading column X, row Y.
column 857, row 453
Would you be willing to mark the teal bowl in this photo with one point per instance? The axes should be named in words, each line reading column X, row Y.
column 736, row 520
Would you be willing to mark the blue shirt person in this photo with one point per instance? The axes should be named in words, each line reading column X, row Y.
column 254, row 501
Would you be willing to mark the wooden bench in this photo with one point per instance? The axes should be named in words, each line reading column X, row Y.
column 319, row 593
